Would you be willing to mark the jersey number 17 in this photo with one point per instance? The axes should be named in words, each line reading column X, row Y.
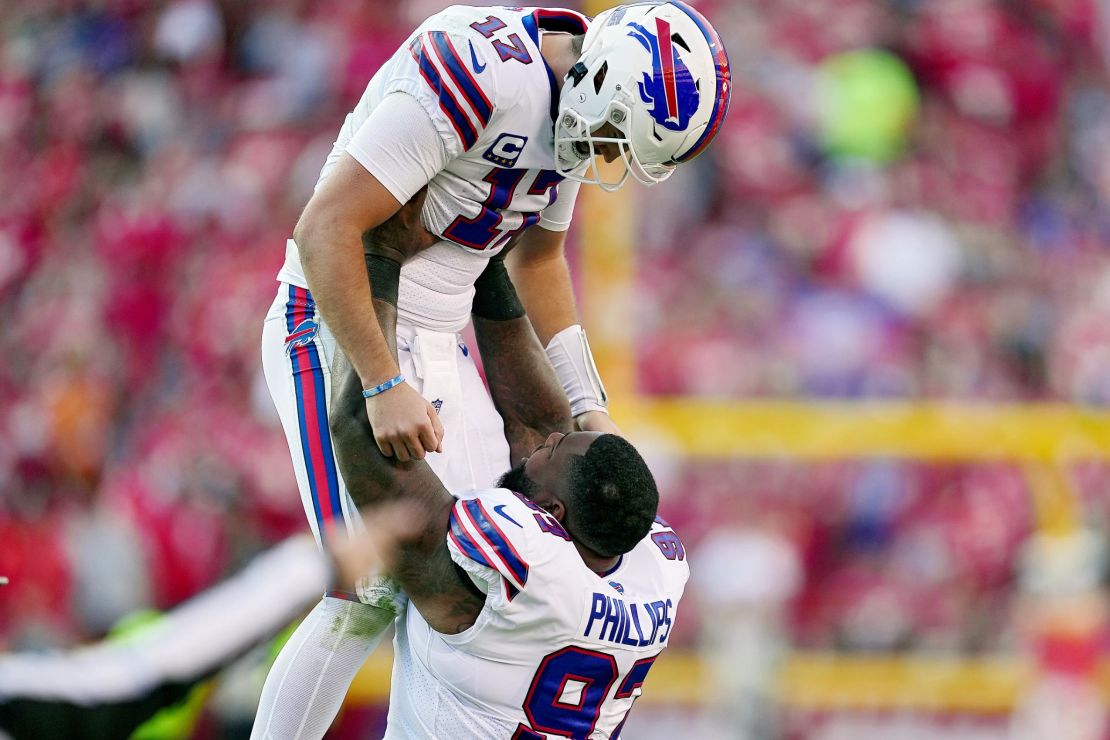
column 485, row 230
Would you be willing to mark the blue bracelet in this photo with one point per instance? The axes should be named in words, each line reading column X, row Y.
column 371, row 392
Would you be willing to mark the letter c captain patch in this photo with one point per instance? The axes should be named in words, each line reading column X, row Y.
column 506, row 150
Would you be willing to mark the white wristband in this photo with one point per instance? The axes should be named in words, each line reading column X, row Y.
column 569, row 352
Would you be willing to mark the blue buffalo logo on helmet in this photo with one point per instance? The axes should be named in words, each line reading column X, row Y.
column 670, row 90
column 302, row 336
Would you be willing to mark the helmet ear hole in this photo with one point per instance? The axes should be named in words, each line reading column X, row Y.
column 599, row 78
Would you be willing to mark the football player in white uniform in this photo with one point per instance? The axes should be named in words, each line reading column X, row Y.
column 537, row 608
column 499, row 113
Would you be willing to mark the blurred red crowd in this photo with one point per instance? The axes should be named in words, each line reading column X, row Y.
column 153, row 159
column 873, row 556
column 965, row 257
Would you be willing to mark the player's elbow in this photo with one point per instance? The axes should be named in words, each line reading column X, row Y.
column 306, row 233
column 344, row 436
column 320, row 226
column 341, row 424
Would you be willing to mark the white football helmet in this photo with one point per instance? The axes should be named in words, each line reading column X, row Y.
column 658, row 74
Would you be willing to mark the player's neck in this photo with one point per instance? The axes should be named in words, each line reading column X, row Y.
column 558, row 52
column 595, row 562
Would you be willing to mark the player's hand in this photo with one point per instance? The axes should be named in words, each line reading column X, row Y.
column 403, row 235
column 596, row 421
column 405, row 425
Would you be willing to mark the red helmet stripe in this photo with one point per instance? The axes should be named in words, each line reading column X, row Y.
column 667, row 54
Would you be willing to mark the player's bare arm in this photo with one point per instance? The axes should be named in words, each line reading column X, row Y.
column 522, row 383
column 329, row 234
column 538, row 268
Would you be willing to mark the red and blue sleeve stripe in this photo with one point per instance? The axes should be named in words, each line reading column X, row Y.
column 468, row 547
column 465, row 542
column 447, row 101
column 312, row 415
column 460, row 73
column 722, row 95
column 496, row 540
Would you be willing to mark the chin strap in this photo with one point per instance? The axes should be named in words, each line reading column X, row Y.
column 569, row 352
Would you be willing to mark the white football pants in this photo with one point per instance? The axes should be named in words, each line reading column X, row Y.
column 298, row 350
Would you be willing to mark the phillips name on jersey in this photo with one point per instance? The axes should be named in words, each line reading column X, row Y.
column 557, row 651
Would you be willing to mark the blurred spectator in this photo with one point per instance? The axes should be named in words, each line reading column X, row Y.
column 746, row 575
column 1064, row 614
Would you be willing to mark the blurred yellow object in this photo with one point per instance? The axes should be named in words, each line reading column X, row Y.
column 807, row 430
column 830, row 681
column 867, row 100
column 818, row 681
column 371, row 684
column 1056, row 507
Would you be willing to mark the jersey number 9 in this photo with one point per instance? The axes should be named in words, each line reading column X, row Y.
column 550, row 710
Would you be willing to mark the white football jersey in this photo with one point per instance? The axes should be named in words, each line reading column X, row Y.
column 477, row 72
column 557, row 651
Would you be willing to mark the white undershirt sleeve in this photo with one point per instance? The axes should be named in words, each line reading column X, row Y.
column 556, row 217
column 398, row 145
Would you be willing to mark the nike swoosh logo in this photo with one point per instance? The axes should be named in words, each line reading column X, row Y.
column 497, row 509
column 478, row 68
